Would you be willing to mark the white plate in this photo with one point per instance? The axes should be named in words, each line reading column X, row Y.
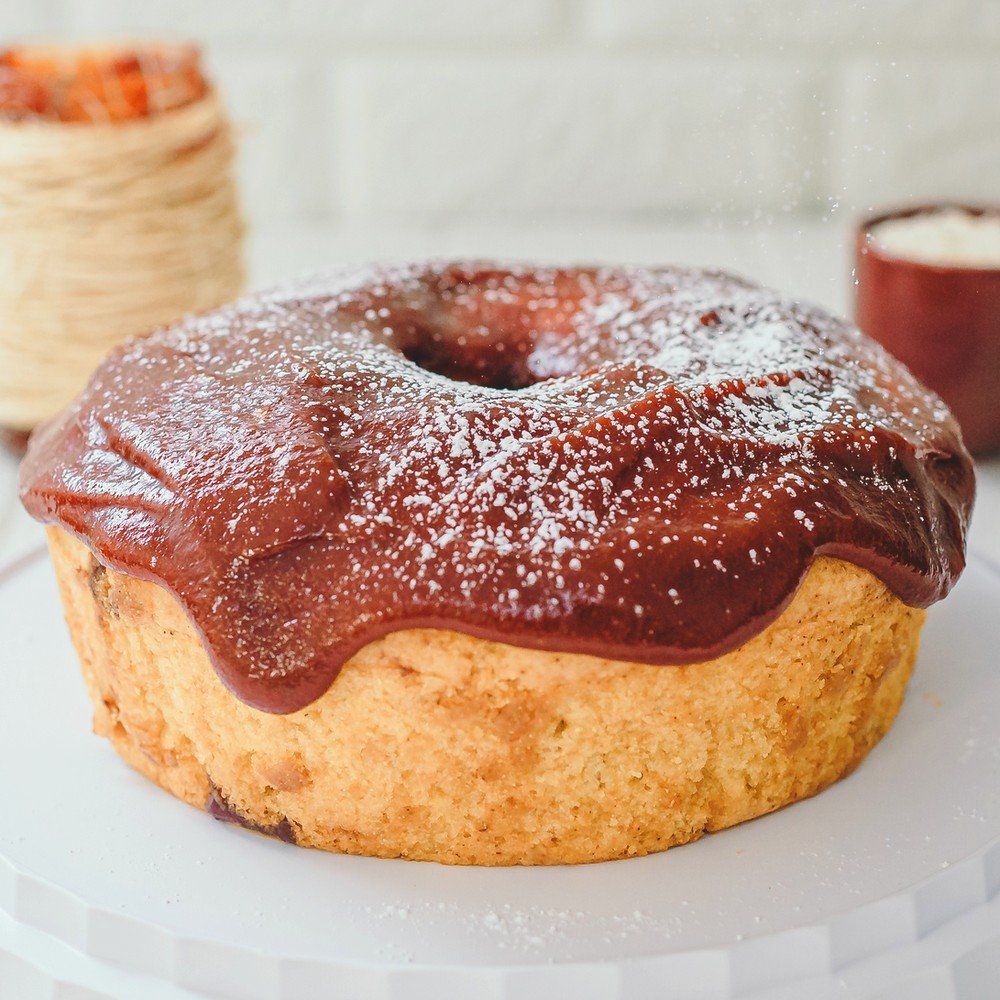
column 96, row 857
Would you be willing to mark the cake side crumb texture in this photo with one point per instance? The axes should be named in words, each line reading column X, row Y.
column 440, row 746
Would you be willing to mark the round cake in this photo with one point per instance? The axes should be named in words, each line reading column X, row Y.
column 500, row 565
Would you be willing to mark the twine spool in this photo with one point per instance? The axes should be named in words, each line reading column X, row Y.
column 107, row 230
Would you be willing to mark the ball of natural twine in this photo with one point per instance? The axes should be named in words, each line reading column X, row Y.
column 107, row 230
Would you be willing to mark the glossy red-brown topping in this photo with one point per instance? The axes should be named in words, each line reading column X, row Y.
column 638, row 464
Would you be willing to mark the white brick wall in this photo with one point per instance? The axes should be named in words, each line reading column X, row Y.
column 377, row 22
column 284, row 166
column 559, row 134
column 527, row 111
column 825, row 29
column 919, row 129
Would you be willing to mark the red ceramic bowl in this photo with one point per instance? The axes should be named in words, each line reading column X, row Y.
column 942, row 321
column 14, row 441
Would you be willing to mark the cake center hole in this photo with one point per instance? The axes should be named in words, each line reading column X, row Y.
column 486, row 358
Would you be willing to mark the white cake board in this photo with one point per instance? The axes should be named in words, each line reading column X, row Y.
column 887, row 884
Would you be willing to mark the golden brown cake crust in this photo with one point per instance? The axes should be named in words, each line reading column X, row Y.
column 439, row 746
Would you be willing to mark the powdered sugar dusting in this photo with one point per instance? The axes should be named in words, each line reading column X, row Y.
column 633, row 462
column 528, row 933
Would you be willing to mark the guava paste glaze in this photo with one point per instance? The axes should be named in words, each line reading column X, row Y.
column 633, row 463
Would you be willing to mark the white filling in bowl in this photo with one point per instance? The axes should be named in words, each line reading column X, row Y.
column 951, row 237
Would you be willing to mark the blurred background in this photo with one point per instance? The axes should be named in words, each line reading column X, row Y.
column 741, row 133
